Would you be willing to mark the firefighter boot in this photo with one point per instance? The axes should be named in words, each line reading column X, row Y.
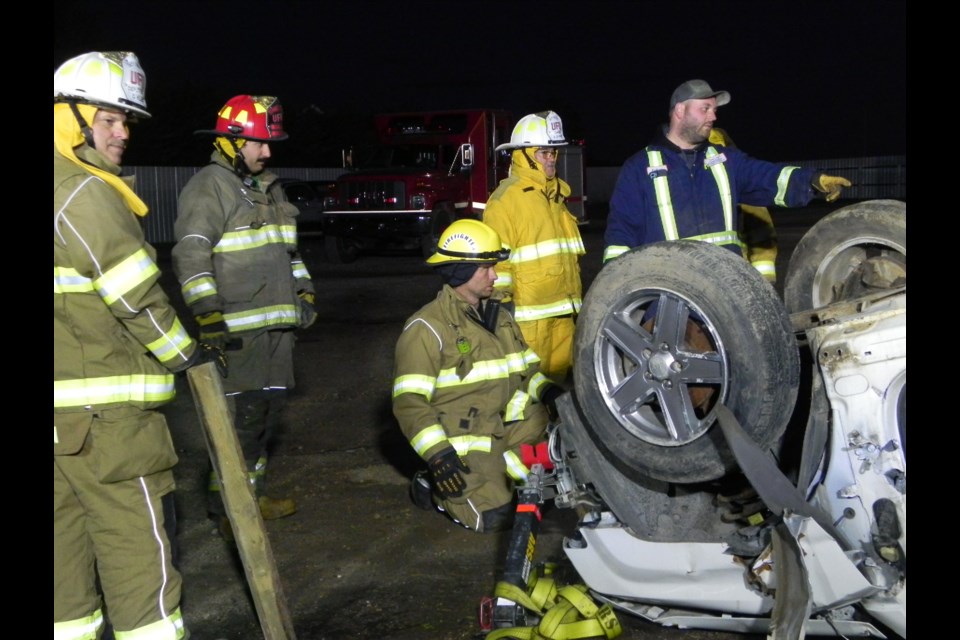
column 420, row 491
column 226, row 531
column 275, row 508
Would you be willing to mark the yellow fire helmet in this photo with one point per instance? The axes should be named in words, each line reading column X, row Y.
column 469, row 240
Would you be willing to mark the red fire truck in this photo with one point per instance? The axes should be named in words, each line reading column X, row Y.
column 429, row 169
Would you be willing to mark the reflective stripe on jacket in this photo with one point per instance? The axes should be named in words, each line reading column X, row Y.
column 116, row 337
column 455, row 383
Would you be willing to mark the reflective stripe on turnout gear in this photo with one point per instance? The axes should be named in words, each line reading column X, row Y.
column 137, row 388
column 84, row 628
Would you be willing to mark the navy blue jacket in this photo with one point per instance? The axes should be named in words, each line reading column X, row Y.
column 694, row 194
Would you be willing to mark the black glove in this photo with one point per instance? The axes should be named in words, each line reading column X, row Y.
column 446, row 469
column 549, row 399
column 213, row 330
column 208, row 353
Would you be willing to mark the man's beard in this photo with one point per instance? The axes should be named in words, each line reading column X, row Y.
column 693, row 135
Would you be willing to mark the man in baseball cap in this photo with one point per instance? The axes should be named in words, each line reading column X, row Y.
column 683, row 187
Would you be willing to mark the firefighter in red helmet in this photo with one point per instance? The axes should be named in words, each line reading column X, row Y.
column 241, row 274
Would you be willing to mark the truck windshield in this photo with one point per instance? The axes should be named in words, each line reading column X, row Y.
column 421, row 156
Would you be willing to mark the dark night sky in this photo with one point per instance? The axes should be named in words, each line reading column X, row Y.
column 809, row 80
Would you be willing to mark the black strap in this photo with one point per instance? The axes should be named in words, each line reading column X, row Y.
column 773, row 487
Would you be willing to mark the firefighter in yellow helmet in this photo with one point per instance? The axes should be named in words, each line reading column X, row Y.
column 467, row 392
column 756, row 226
column 542, row 275
column 117, row 341
column 242, row 276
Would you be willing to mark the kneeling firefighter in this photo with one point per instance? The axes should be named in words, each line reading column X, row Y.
column 468, row 392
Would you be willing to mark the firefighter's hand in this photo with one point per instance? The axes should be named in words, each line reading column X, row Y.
column 447, row 469
column 207, row 352
column 308, row 312
column 830, row 185
column 549, row 400
column 213, row 330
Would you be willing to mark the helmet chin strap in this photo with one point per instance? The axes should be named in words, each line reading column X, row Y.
column 84, row 127
column 531, row 161
column 236, row 160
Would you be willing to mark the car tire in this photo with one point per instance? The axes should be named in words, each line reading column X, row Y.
column 849, row 253
column 668, row 330
column 441, row 219
column 340, row 250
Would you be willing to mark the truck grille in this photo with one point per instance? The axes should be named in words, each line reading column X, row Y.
column 386, row 195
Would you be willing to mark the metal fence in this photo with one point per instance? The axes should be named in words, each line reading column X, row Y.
column 873, row 178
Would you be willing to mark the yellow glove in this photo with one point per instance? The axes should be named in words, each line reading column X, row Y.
column 830, row 185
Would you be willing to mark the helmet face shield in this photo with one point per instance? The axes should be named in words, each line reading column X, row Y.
column 110, row 79
column 258, row 118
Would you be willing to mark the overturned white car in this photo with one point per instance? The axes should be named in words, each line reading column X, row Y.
column 738, row 461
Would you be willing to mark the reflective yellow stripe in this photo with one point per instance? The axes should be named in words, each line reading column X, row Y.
column 531, row 252
column 80, row 629
column 199, row 288
column 526, row 313
column 719, row 172
column 516, row 407
column 428, row 438
column 783, row 180
column 466, row 444
column 662, row 189
column 720, row 238
column 279, row 314
column 415, row 383
column 767, row 267
column 299, row 270
column 519, row 362
column 126, row 276
column 515, row 467
column 244, row 239
column 537, row 384
column 613, row 251
column 482, row 370
column 170, row 628
column 67, row 280
column 171, row 344
column 112, row 389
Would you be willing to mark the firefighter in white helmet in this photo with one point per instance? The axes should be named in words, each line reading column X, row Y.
column 528, row 210
column 116, row 343
column 467, row 392
column 242, row 276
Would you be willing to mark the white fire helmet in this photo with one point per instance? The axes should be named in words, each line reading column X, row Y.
column 110, row 79
column 543, row 129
